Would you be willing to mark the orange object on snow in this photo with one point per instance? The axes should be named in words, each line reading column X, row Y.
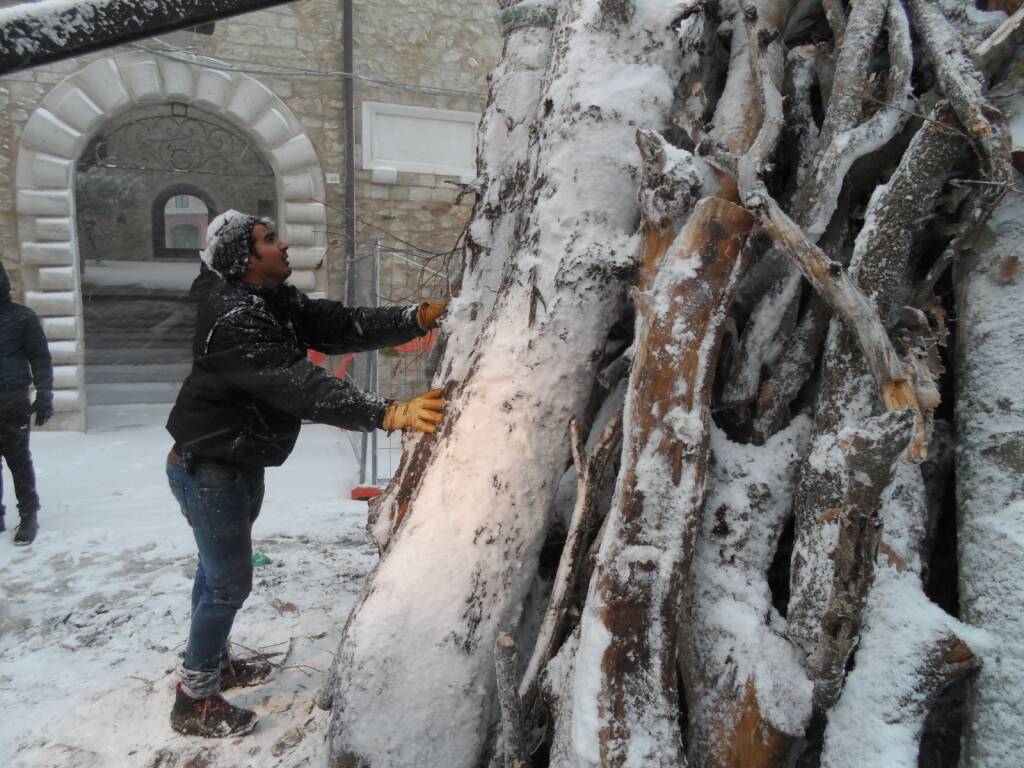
column 365, row 492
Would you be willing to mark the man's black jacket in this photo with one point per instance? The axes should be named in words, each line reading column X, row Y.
column 251, row 383
column 22, row 347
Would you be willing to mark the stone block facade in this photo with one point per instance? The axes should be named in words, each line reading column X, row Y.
column 275, row 75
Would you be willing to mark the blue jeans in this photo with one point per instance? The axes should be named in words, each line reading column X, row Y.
column 221, row 502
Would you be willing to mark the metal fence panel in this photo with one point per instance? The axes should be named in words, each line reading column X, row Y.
column 385, row 277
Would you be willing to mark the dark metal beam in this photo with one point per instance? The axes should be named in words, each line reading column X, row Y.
column 347, row 24
column 38, row 33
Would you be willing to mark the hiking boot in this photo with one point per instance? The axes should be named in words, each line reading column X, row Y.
column 212, row 717
column 27, row 530
column 243, row 673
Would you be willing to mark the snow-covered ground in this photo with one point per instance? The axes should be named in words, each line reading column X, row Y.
column 94, row 614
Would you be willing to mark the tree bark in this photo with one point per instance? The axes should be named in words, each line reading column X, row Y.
column 506, row 666
column 881, row 714
column 628, row 630
column 989, row 468
column 589, row 474
column 747, row 692
column 869, row 453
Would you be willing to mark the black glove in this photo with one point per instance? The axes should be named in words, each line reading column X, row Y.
column 43, row 409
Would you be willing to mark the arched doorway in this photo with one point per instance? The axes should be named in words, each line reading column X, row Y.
column 146, row 186
column 58, row 133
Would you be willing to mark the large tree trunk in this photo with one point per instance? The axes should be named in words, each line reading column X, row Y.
column 990, row 478
column 506, row 129
column 417, row 650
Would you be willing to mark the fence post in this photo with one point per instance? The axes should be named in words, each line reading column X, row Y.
column 374, row 381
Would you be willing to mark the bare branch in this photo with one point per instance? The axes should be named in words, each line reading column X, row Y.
column 513, row 738
column 870, row 453
column 846, row 103
column 589, row 474
column 766, row 67
column 994, row 52
column 882, row 254
column 836, row 19
column 834, row 285
column 964, row 86
column 842, row 146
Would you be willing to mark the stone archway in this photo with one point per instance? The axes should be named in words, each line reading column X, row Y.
column 59, row 130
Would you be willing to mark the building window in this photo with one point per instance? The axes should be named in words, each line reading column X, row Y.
column 180, row 217
column 185, row 220
column 417, row 139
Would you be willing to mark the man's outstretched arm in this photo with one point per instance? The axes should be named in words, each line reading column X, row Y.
column 252, row 352
column 333, row 328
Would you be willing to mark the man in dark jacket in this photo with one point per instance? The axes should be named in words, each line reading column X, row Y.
column 24, row 360
column 239, row 411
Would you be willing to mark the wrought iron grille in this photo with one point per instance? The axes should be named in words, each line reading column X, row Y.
column 180, row 142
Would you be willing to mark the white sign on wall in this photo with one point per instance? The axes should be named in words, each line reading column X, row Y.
column 419, row 139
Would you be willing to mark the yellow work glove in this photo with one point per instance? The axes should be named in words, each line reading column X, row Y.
column 428, row 313
column 421, row 413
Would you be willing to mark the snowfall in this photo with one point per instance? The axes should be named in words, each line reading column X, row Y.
column 94, row 615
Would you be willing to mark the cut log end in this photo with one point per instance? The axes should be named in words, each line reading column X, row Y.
column 745, row 738
column 956, row 652
column 898, row 394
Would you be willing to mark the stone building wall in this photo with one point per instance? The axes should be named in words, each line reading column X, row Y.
column 409, row 43
column 451, row 46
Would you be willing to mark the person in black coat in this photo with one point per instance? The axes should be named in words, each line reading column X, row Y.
column 239, row 411
column 24, row 360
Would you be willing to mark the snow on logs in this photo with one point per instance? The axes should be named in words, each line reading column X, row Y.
column 989, row 472
column 747, row 691
column 909, row 650
column 629, row 627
